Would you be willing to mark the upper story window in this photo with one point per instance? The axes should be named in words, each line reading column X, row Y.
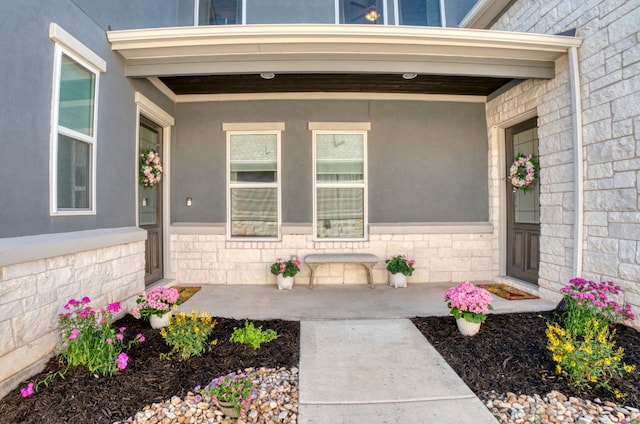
column 340, row 179
column 370, row 12
column 219, row 12
column 73, row 137
column 253, row 176
column 419, row 12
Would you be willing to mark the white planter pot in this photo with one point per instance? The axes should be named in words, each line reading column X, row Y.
column 284, row 283
column 467, row 328
column 397, row 280
column 159, row 321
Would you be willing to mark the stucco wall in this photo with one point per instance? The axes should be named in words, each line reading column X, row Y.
column 25, row 117
column 609, row 63
column 426, row 160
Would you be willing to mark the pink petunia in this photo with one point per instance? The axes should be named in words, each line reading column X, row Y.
column 74, row 333
column 27, row 391
column 122, row 360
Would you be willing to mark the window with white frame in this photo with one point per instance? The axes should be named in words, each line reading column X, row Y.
column 340, row 177
column 253, row 175
column 73, row 135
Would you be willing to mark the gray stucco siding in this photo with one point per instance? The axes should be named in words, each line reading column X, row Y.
column 427, row 161
column 25, row 122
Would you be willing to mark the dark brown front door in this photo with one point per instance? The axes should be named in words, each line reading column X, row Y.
column 523, row 209
column 150, row 206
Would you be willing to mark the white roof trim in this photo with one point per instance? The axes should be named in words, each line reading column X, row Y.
column 338, row 48
column 62, row 37
column 483, row 13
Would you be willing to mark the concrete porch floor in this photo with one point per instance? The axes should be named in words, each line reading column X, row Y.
column 331, row 302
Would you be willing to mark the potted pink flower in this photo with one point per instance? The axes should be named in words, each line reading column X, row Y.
column 156, row 304
column 469, row 305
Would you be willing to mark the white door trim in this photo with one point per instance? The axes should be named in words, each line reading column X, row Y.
column 150, row 110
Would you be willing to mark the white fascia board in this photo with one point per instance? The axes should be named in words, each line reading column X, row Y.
column 329, row 46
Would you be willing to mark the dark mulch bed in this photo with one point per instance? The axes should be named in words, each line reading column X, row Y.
column 80, row 398
column 509, row 354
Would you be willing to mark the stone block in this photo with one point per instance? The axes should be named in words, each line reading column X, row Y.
column 630, row 271
column 601, row 263
column 10, row 310
column 34, row 323
column 624, row 179
column 108, row 254
column 6, row 338
column 25, row 355
column 612, row 200
column 17, row 288
column 23, row 269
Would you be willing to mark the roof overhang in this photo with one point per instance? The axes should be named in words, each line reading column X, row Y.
column 246, row 49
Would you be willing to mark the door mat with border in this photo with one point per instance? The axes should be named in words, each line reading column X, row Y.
column 186, row 291
column 507, row 292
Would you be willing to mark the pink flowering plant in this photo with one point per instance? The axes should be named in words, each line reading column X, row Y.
column 400, row 264
column 89, row 340
column 236, row 389
column 157, row 301
column 585, row 300
column 150, row 168
column 287, row 268
column 469, row 302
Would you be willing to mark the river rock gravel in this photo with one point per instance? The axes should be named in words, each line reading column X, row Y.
column 276, row 402
column 555, row 407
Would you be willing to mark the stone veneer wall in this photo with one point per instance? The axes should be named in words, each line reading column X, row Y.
column 609, row 66
column 33, row 293
column 458, row 252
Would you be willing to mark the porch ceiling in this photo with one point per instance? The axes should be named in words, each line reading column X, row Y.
column 337, row 58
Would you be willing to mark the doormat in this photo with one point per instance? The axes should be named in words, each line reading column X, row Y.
column 186, row 291
column 507, row 292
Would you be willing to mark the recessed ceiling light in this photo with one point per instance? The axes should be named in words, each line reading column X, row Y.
column 409, row 75
column 267, row 75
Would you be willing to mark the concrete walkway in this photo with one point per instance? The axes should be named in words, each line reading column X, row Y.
column 361, row 359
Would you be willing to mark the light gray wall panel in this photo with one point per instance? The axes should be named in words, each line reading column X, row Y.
column 427, row 161
column 25, row 117
column 128, row 14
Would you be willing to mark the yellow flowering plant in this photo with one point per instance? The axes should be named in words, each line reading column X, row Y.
column 590, row 359
column 582, row 343
column 188, row 334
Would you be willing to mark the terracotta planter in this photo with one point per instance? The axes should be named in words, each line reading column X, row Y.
column 467, row 328
column 227, row 407
column 284, row 283
column 159, row 321
column 397, row 280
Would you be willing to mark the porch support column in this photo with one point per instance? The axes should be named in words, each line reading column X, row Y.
column 578, row 165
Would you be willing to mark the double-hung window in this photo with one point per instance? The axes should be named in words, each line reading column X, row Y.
column 340, row 177
column 253, row 175
column 73, row 136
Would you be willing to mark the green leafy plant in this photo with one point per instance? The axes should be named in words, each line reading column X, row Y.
column 400, row 264
column 236, row 389
column 252, row 335
column 287, row 268
column 583, row 344
column 88, row 340
column 187, row 335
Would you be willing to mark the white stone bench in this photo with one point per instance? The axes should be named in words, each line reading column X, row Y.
column 368, row 260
